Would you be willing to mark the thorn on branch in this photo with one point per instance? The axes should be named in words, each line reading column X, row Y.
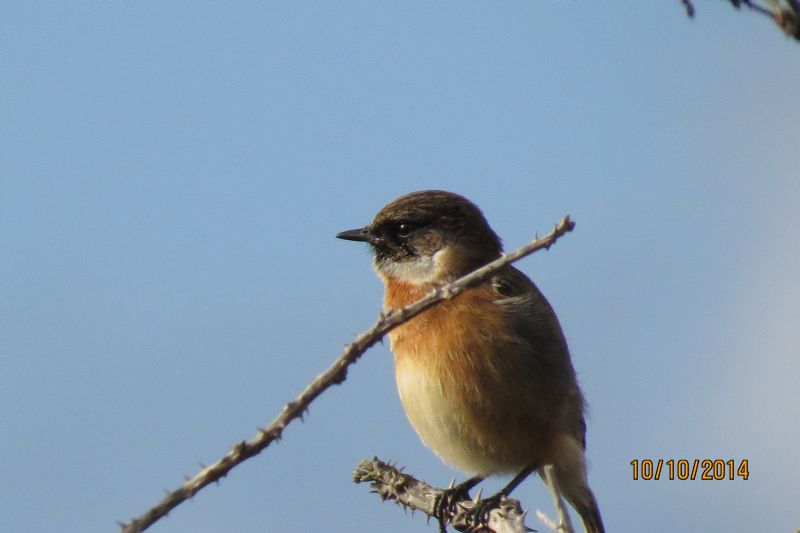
column 239, row 447
column 410, row 493
column 340, row 377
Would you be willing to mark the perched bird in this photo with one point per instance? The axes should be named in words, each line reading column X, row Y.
column 485, row 378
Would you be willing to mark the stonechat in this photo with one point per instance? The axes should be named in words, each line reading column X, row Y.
column 486, row 378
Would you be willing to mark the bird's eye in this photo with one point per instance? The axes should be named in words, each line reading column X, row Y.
column 404, row 229
column 504, row 287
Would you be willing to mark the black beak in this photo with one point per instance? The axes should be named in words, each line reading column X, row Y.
column 360, row 234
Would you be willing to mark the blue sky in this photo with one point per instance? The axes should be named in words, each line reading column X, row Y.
column 173, row 174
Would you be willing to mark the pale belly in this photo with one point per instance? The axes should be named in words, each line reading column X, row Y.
column 444, row 423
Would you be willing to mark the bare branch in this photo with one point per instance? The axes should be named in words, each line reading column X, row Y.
column 334, row 375
column 785, row 13
column 391, row 484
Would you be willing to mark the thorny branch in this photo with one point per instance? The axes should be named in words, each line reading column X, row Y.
column 334, row 375
column 390, row 483
column 785, row 13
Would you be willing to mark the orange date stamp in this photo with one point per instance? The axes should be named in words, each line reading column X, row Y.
column 691, row 469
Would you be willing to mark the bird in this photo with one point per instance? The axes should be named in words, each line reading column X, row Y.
column 485, row 379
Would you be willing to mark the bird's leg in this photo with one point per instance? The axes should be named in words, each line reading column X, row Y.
column 478, row 512
column 519, row 478
column 444, row 502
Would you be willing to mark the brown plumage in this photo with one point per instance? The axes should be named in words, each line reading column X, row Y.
column 486, row 378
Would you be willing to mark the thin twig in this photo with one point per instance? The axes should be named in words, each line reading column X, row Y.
column 755, row 7
column 564, row 524
column 334, row 375
column 689, row 7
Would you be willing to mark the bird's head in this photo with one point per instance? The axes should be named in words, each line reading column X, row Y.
column 428, row 237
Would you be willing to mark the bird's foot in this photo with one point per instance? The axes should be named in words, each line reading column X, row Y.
column 445, row 503
column 478, row 515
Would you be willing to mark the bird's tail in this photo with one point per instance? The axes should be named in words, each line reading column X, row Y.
column 568, row 478
column 584, row 502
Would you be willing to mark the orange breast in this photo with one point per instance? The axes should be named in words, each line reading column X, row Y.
column 462, row 382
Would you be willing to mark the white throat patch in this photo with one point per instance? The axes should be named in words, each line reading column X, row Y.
column 420, row 269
